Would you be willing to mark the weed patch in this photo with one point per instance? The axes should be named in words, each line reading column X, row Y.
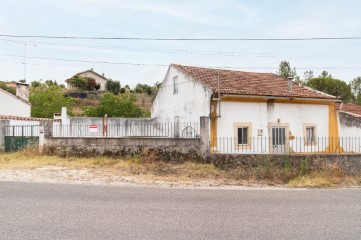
column 264, row 171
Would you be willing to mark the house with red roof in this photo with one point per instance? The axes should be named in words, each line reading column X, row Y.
column 250, row 112
column 349, row 121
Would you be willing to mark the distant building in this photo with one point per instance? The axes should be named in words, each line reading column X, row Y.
column 99, row 78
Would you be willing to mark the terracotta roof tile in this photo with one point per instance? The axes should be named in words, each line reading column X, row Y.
column 9, row 117
column 349, row 108
column 250, row 83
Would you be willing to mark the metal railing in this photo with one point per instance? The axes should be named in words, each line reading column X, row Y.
column 268, row 145
column 128, row 129
column 22, row 131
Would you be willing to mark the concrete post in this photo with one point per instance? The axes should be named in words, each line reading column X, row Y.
column 204, row 131
column 176, row 127
column 46, row 132
column 3, row 124
column 127, row 132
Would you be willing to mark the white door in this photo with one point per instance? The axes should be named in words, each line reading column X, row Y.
column 278, row 140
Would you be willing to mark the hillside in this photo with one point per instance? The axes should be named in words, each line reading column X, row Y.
column 144, row 101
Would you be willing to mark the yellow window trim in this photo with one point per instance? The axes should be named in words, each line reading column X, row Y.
column 309, row 125
column 237, row 125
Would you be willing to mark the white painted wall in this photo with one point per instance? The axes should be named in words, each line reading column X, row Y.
column 350, row 134
column 295, row 115
column 12, row 105
column 190, row 103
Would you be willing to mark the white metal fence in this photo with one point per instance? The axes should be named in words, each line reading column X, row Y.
column 267, row 145
column 128, row 129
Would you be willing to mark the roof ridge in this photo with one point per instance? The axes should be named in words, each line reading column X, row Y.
column 249, row 83
column 219, row 68
column 312, row 89
column 91, row 70
column 12, row 117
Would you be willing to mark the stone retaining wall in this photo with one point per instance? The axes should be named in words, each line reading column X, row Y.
column 172, row 150
column 349, row 163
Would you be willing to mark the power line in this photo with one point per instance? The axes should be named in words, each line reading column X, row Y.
column 87, row 61
column 180, row 39
column 190, row 52
column 166, row 65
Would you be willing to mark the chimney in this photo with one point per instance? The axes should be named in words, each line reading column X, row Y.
column 22, row 91
column 103, row 74
column 290, row 80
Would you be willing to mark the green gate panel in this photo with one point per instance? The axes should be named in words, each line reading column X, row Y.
column 17, row 143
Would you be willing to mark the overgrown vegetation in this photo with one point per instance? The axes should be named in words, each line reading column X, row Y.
column 116, row 106
column 47, row 100
column 84, row 83
column 325, row 82
column 4, row 86
column 113, row 86
column 265, row 173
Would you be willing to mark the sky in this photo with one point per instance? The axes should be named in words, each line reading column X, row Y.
column 176, row 19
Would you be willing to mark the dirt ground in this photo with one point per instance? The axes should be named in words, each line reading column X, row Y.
column 55, row 174
column 31, row 166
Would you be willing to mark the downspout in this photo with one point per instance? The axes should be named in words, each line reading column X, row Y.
column 219, row 97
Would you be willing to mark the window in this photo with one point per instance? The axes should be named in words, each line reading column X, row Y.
column 175, row 85
column 242, row 135
column 310, row 133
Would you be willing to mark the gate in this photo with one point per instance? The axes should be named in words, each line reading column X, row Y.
column 20, row 137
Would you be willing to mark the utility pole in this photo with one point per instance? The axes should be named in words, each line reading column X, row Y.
column 24, row 62
column 25, row 45
column 219, row 96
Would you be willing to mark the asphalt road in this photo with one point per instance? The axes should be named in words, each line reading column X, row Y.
column 59, row 211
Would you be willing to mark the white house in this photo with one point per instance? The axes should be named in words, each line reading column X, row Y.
column 349, row 117
column 250, row 112
column 99, row 78
column 18, row 105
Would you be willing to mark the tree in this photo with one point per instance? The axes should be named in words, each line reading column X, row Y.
column 144, row 88
column 113, row 86
column 325, row 74
column 78, row 82
column 331, row 86
column 35, row 84
column 84, row 83
column 45, row 101
column 356, row 89
column 50, row 83
column 116, row 106
column 307, row 75
column 285, row 70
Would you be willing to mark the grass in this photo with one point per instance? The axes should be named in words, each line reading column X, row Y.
column 331, row 176
column 190, row 172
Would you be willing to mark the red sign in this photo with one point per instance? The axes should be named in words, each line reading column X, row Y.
column 93, row 128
